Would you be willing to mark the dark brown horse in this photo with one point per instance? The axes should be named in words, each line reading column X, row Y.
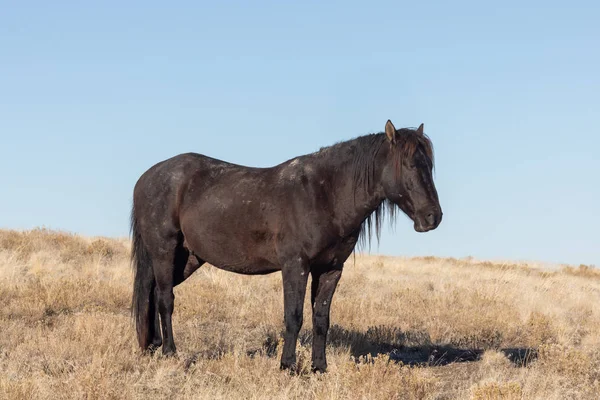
column 302, row 216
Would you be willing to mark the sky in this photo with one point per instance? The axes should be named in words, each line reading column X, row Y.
column 92, row 95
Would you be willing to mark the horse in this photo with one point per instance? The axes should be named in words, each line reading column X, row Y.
column 303, row 216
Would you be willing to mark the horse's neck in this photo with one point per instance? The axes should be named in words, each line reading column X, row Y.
column 357, row 191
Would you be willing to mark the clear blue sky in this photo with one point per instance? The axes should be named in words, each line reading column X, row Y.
column 91, row 95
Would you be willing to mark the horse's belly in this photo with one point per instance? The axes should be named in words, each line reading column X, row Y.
column 232, row 251
column 249, row 269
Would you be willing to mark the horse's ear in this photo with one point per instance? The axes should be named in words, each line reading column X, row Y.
column 390, row 131
column 420, row 129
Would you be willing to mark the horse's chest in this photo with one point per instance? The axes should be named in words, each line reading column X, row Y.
column 338, row 252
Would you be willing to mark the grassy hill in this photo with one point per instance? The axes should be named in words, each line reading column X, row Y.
column 406, row 328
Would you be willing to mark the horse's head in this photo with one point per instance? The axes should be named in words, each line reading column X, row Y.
column 407, row 176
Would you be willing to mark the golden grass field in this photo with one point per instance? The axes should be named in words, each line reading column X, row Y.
column 423, row 328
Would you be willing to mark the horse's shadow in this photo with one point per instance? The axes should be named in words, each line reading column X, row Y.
column 407, row 347
column 414, row 347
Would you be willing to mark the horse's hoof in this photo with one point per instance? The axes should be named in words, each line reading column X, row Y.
column 291, row 367
column 322, row 369
column 169, row 352
column 152, row 348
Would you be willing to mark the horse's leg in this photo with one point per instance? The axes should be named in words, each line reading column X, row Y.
column 295, row 276
column 164, row 260
column 324, row 282
column 183, row 268
column 184, row 265
column 166, row 301
column 155, row 336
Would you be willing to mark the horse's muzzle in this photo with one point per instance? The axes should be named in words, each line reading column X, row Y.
column 428, row 220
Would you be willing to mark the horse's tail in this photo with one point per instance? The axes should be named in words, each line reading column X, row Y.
column 142, row 303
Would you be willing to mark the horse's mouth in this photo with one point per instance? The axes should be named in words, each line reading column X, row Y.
column 421, row 229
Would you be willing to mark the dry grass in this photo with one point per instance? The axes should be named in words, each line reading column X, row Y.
column 424, row 328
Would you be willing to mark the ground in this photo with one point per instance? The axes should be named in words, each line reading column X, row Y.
column 420, row 328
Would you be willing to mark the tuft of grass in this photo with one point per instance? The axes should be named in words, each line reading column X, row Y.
column 585, row 271
column 498, row 391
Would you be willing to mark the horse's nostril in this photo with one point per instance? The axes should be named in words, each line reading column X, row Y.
column 430, row 218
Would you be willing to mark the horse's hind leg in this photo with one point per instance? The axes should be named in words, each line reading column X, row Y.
column 174, row 268
column 155, row 336
column 165, row 257
column 185, row 265
column 165, row 300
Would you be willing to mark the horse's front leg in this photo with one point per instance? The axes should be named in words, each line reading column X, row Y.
column 324, row 282
column 295, row 276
